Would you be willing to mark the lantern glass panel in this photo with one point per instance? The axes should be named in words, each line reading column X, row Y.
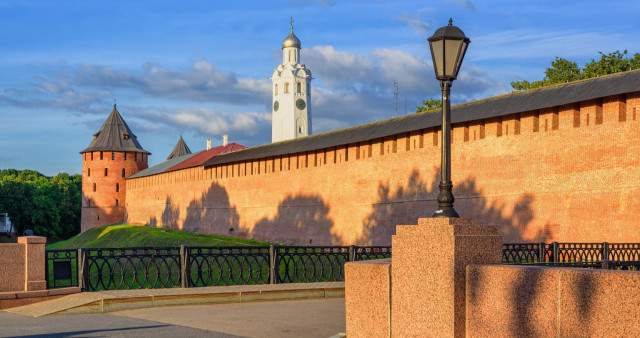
column 436, row 52
column 452, row 48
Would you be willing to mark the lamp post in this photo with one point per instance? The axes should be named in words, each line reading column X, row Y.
column 448, row 46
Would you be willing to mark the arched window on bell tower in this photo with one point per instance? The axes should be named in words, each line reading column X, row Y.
column 286, row 87
column 276, row 90
column 299, row 88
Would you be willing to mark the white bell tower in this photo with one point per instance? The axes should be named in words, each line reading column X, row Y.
column 291, row 107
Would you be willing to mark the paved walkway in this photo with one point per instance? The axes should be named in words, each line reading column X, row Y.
column 299, row 318
column 284, row 310
column 109, row 301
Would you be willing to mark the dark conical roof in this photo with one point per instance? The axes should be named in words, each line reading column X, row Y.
column 180, row 149
column 115, row 135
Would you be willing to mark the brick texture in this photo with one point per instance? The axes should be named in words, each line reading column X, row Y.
column 99, row 205
column 567, row 173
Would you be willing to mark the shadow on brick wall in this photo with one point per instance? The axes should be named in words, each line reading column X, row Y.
column 212, row 213
column 417, row 199
column 301, row 219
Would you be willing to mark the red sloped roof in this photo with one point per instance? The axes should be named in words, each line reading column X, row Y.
column 203, row 156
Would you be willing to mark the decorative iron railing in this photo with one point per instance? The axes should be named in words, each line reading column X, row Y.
column 61, row 268
column 138, row 268
column 569, row 252
column 129, row 268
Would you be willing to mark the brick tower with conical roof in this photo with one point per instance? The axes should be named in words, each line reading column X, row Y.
column 113, row 154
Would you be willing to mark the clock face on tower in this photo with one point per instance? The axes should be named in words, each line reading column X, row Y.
column 276, row 105
column 300, row 104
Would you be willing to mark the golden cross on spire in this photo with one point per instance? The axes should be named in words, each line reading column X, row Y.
column 291, row 22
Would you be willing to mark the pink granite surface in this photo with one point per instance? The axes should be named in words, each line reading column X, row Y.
column 428, row 275
column 35, row 262
column 522, row 301
column 20, row 298
column 508, row 301
column 12, row 266
column 367, row 298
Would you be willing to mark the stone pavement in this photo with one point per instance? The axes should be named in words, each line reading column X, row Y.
column 109, row 301
column 297, row 318
column 284, row 310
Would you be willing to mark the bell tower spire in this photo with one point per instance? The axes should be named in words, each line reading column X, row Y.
column 291, row 116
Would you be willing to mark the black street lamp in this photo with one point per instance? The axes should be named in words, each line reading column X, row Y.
column 448, row 46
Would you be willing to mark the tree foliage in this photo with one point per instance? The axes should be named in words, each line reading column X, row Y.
column 563, row 70
column 429, row 104
column 50, row 206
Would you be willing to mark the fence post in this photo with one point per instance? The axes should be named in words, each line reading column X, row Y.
column 273, row 275
column 352, row 253
column 542, row 252
column 556, row 252
column 184, row 266
column 606, row 264
column 83, row 271
column 605, row 251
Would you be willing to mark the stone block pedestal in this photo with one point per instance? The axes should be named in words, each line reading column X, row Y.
column 428, row 274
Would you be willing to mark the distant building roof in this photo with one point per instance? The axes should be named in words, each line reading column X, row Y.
column 161, row 167
column 187, row 161
column 540, row 98
column 115, row 135
column 180, row 149
column 203, row 156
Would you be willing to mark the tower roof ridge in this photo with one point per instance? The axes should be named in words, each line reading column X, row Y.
column 115, row 135
column 181, row 148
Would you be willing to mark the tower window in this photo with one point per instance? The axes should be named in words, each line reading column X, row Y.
column 92, row 156
column 289, row 55
column 286, row 87
column 88, row 202
column 117, row 203
column 122, row 172
column 100, row 155
column 117, row 187
column 113, row 156
column 276, row 90
column 135, row 156
column 106, row 171
column 299, row 88
column 94, row 187
column 88, row 171
column 125, row 155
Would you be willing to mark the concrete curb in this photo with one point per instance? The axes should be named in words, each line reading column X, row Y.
column 110, row 301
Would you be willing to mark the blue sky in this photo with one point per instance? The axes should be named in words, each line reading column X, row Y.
column 201, row 68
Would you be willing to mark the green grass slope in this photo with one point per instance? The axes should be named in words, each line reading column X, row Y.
column 127, row 235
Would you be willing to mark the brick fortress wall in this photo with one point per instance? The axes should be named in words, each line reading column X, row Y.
column 99, row 204
column 567, row 173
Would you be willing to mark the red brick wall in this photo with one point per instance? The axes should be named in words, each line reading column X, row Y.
column 567, row 173
column 99, row 206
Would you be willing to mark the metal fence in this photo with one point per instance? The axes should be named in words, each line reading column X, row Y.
column 139, row 268
column 61, row 268
column 569, row 252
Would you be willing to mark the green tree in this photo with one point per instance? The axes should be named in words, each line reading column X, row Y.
column 608, row 64
column 49, row 206
column 429, row 104
column 562, row 70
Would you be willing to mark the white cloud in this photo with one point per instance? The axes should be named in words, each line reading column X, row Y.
column 337, row 67
column 418, row 26
column 466, row 4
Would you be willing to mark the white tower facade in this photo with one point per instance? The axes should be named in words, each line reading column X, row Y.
column 291, row 81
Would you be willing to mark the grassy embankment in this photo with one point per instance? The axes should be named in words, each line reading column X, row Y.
column 127, row 235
